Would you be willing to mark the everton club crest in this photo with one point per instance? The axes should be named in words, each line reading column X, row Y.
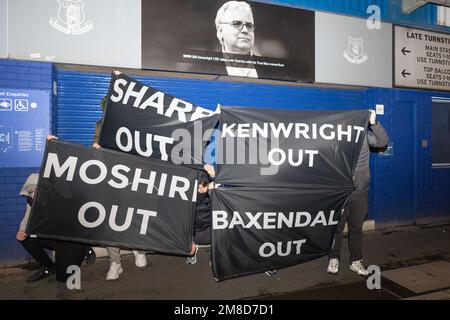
column 355, row 51
column 71, row 18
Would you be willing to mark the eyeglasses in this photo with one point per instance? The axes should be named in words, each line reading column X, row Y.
column 239, row 25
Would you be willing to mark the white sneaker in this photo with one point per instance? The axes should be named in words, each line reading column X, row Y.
column 358, row 267
column 333, row 266
column 115, row 269
column 271, row 272
column 140, row 259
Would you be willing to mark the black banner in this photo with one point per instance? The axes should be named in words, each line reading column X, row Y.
column 284, row 179
column 261, row 229
column 150, row 123
column 114, row 199
column 289, row 148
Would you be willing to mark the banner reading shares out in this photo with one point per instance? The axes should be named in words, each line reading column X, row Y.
column 150, row 123
column 113, row 199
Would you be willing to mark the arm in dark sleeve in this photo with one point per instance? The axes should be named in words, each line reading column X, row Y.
column 98, row 125
column 377, row 136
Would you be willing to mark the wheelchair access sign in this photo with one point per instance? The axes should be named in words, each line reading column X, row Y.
column 24, row 125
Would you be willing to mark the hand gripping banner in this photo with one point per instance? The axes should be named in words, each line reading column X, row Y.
column 285, row 176
column 147, row 122
column 111, row 198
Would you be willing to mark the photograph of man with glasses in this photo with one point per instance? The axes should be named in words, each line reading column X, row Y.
column 235, row 38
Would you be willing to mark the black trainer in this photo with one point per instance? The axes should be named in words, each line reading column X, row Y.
column 42, row 273
column 90, row 257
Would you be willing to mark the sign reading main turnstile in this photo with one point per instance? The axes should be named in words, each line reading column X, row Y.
column 422, row 59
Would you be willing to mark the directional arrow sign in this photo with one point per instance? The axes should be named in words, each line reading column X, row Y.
column 404, row 73
column 404, row 51
column 421, row 59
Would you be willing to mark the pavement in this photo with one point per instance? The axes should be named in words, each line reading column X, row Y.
column 414, row 263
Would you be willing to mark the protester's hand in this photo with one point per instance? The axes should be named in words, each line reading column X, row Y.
column 373, row 117
column 210, row 169
column 21, row 235
column 52, row 137
column 117, row 72
column 96, row 145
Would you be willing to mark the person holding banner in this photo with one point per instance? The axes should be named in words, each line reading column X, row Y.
column 115, row 267
column 203, row 210
column 66, row 253
column 358, row 207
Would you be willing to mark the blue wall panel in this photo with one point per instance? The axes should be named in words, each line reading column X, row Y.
column 17, row 74
column 391, row 10
column 407, row 189
column 80, row 93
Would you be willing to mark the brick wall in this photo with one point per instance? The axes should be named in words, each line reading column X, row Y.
column 17, row 74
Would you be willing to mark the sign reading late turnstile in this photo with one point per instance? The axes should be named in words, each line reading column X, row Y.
column 422, row 59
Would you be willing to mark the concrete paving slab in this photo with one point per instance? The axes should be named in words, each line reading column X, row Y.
column 422, row 278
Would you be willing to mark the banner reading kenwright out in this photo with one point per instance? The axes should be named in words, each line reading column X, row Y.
column 289, row 148
column 150, row 123
column 114, row 199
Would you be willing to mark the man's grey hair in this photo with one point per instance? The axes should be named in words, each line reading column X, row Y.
column 228, row 6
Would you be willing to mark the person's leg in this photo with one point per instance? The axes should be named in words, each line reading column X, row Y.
column 358, row 213
column 115, row 267
column 114, row 254
column 335, row 252
column 356, row 219
column 67, row 254
column 36, row 249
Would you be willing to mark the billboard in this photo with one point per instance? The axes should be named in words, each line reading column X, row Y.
column 251, row 39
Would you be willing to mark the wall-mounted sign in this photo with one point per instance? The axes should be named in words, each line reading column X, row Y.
column 222, row 37
column 422, row 59
column 24, row 126
column 347, row 52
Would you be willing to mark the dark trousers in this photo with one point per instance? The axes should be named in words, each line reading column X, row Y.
column 354, row 215
column 66, row 254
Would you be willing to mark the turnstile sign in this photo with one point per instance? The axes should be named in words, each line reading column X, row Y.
column 422, row 59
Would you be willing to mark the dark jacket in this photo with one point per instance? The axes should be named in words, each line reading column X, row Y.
column 98, row 126
column 202, row 218
column 376, row 138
